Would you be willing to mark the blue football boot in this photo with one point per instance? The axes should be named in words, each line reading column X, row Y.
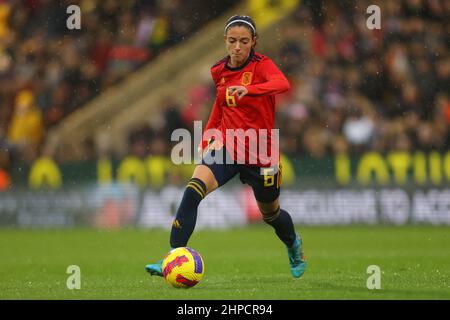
column 155, row 269
column 297, row 259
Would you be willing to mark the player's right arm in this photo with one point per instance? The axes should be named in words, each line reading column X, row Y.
column 214, row 121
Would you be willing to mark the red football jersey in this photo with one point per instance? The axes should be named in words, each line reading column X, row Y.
column 253, row 113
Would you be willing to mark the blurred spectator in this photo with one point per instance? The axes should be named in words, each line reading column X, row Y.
column 197, row 96
column 26, row 131
column 5, row 180
column 172, row 118
column 358, row 130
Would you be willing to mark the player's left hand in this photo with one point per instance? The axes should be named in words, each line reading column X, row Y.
column 240, row 91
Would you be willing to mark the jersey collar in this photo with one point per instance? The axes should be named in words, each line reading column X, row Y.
column 250, row 56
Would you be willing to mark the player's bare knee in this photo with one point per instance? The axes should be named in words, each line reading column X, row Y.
column 205, row 174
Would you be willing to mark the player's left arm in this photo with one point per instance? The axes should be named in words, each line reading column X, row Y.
column 275, row 82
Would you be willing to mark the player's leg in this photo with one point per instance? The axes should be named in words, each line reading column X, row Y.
column 282, row 222
column 202, row 183
column 279, row 219
column 266, row 188
column 205, row 179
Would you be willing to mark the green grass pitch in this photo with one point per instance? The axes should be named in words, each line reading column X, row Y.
column 247, row 263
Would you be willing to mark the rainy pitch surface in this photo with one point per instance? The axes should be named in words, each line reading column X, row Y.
column 248, row 263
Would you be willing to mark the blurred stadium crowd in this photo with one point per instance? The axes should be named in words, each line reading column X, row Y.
column 48, row 71
column 357, row 89
column 353, row 89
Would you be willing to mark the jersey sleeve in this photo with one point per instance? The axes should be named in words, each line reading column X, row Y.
column 275, row 81
column 214, row 121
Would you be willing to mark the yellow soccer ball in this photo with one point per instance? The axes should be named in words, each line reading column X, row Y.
column 183, row 267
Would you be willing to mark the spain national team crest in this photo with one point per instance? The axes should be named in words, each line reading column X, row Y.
column 246, row 78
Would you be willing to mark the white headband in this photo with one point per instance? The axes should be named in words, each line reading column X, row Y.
column 251, row 26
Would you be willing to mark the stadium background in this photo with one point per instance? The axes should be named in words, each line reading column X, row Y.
column 86, row 115
column 364, row 130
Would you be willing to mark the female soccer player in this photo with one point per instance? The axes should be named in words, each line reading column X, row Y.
column 246, row 84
